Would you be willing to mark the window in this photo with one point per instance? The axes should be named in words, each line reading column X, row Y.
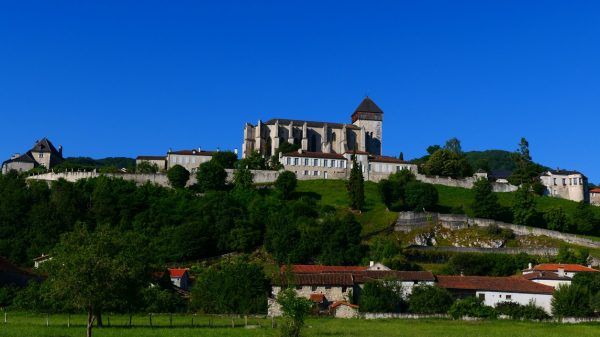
column 327, row 287
column 315, row 173
column 295, row 161
column 305, row 173
column 193, row 160
column 482, row 297
column 316, row 162
column 40, row 155
column 580, row 181
column 298, row 287
column 508, row 297
column 554, row 181
column 305, row 161
column 325, row 163
column 564, row 181
column 174, row 160
column 313, row 288
column 344, row 289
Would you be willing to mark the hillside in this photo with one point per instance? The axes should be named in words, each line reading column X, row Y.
column 87, row 162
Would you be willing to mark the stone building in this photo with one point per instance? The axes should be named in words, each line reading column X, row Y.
column 43, row 153
column 189, row 159
column 363, row 134
column 595, row 196
column 571, row 185
column 159, row 161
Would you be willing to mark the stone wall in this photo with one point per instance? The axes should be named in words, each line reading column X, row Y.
column 408, row 221
column 467, row 182
column 260, row 176
column 530, row 251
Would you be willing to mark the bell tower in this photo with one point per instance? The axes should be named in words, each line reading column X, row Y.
column 369, row 116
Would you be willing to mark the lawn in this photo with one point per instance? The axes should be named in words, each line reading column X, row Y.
column 35, row 325
column 374, row 216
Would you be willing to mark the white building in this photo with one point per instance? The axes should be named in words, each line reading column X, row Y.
column 571, row 185
column 561, row 269
column 595, row 196
column 495, row 290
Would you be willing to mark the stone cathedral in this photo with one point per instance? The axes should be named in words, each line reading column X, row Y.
column 364, row 134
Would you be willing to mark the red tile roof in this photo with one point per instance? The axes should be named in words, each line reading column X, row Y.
column 151, row 157
column 357, row 152
column 544, row 275
column 319, row 298
column 595, row 190
column 177, row 272
column 571, row 268
column 316, row 268
column 193, row 152
column 369, row 275
column 338, row 303
column 317, row 279
column 386, row 159
column 502, row 284
column 315, row 155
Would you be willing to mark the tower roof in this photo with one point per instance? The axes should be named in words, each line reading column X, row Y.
column 367, row 105
column 45, row 146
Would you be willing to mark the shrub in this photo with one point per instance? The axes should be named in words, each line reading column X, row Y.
column 421, row 196
column 428, row 299
column 572, row 301
column 178, row 176
column 211, row 176
column 286, row 184
column 381, row 296
column 471, row 307
column 517, row 311
column 294, row 310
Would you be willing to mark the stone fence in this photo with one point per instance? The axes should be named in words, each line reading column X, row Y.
column 530, row 251
column 408, row 221
column 391, row 315
column 467, row 182
column 260, row 176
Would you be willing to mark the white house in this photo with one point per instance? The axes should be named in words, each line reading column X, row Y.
column 561, row 269
column 571, row 185
column 494, row 290
column 547, row 278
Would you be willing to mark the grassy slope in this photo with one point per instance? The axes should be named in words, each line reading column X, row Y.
column 35, row 326
column 374, row 217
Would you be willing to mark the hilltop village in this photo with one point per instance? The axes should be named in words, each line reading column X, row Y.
column 322, row 150
column 313, row 214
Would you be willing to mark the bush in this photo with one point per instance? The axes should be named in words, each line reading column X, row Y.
column 211, row 176
column 294, row 310
column 286, row 184
column 571, row 301
column 382, row 296
column 178, row 176
column 420, row 196
column 429, row 299
column 517, row 311
column 471, row 307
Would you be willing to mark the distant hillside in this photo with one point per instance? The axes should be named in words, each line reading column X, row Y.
column 495, row 159
column 87, row 162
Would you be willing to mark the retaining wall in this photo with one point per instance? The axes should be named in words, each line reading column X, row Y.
column 408, row 221
column 530, row 251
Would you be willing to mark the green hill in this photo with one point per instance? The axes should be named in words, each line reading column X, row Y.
column 87, row 162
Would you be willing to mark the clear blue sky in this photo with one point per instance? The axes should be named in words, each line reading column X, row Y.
column 125, row 78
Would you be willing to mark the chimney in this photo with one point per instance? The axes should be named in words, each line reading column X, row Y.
column 561, row 271
column 60, row 150
column 199, row 149
column 15, row 156
column 235, row 151
column 530, row 266
column 371, row 263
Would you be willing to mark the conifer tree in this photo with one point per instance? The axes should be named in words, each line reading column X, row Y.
column 356, row 185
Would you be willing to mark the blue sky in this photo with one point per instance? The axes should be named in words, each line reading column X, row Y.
column 125, row 78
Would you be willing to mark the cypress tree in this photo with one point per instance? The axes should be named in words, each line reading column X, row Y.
column 356, row 186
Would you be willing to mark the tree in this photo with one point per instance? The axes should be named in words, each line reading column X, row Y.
column 294, row 309
column 356, row 186
column 429, row 299
column 486, row 203
column 453, row 145
column 237, row 286
column 254, row 161
column 393, row 189
column 146, row 167
column 526, row 171
column 285, row 184
column 226, row 159
column 420, row 196
column 211, row 176
column 178, row 176
column 471, row 307
column 556, row 219
column 243, row 179
column 571, row 301
column 523, row 208
column 382, row 296
column 343, row 244
column 401, row 156
column 96, row 271
column 583, row 218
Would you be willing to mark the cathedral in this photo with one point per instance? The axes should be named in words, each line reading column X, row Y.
column 362, row 135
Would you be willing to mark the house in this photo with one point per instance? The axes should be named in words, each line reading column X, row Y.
column 42, row 154
column 330, row 284
column 548, row 278
column 189, row 159
column 180, row 277
column 494, row 290
column 571, row 185
column 343, row 309
column 41, row 259
column 159, row 161
column 561, row 269
column 13, row 275
column 595, row 196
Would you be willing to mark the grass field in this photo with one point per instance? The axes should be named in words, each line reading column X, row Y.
column 35, row 325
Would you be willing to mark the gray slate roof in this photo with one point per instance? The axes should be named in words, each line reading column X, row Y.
column 367, row 105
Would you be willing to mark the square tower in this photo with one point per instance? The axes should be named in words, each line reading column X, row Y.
column 369, row 116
